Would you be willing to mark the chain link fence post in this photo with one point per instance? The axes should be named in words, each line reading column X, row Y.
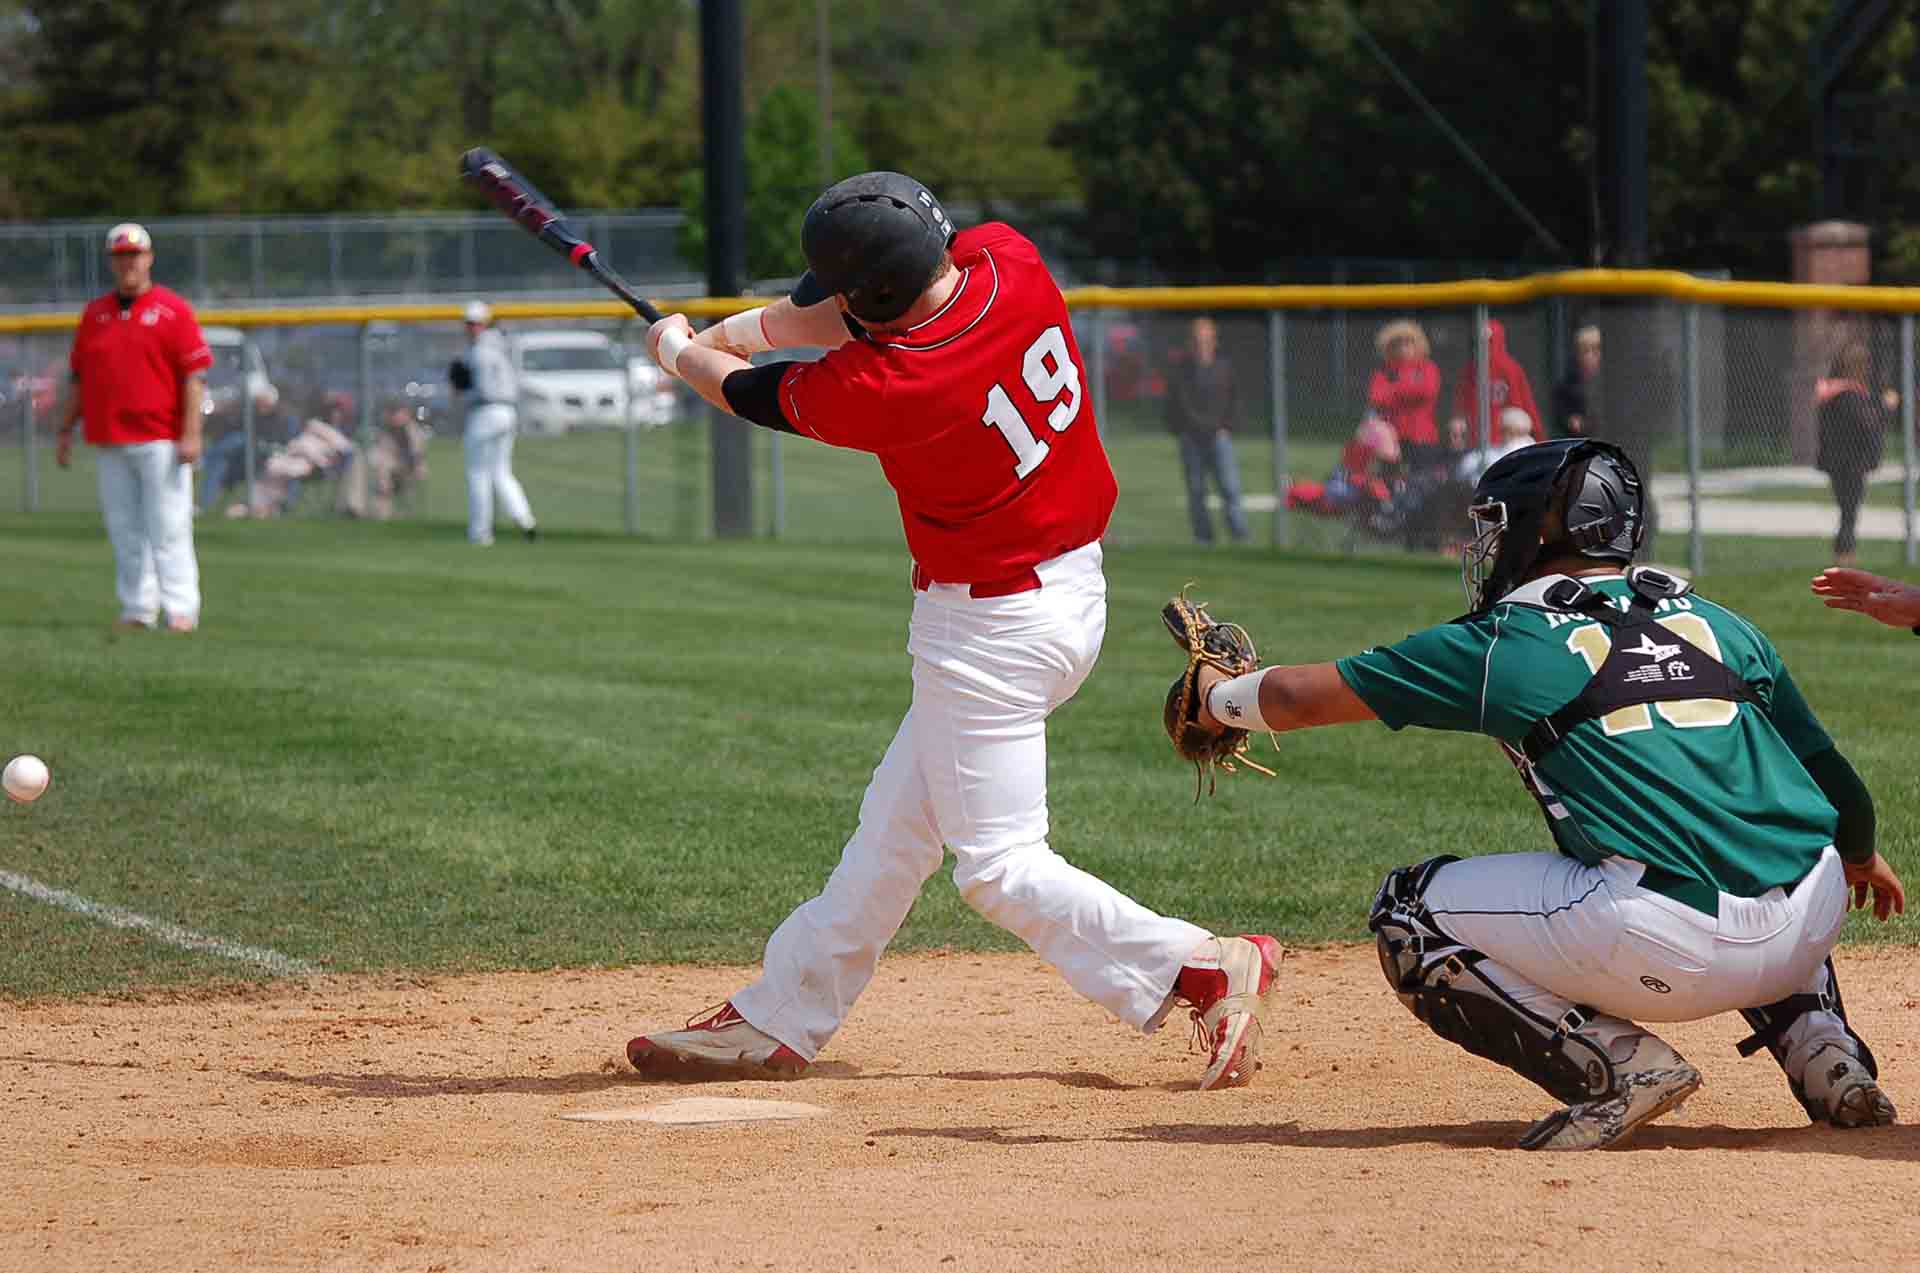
column 1277, row 396
column 778, row 480
column 1690, row 408
column 1906, row 430
column 250, row 431
column 630, row 497
column 30, row 454
column 1098, row 370
column 1483, row 381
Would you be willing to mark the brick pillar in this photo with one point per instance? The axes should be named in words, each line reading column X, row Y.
column 1833, row 252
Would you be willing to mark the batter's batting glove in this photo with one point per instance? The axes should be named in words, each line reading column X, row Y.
column 1227, row 648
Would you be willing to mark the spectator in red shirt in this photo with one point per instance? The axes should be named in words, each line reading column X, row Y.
column 1404, row 389
column 1507, row 386
column 139, row 368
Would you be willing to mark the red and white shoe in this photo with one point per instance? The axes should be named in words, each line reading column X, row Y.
column 717, row 1043
column 1223, row 983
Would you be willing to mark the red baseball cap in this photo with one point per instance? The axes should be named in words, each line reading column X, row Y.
column 129, row 237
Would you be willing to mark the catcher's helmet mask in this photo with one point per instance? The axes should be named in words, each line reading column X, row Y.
column 875, row 239
column 1589, row 491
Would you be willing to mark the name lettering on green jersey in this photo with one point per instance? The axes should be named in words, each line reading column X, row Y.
column 1556, row 618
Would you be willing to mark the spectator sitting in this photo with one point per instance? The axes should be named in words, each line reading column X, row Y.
column 317, row 450
column 1356, row 481
column 1516, row 431
column 395, row 461
column 1405, row 387
column 223, row 465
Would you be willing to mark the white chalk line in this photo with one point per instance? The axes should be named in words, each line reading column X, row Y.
column 159, row 929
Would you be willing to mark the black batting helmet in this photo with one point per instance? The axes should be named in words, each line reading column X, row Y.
column 1592, row 487
column 876, row 240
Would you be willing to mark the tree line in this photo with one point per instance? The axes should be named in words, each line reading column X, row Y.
column 1194, row 138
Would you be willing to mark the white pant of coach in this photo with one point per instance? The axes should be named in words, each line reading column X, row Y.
column 146, row 497
column 968, row 769
column 1557, row 932
column 488, row 446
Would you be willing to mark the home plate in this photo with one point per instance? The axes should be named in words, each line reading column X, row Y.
column 701, row 1109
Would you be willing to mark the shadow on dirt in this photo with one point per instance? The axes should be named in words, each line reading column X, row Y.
column 389, row 1086
column 1892, row 1143
column 1065, row 1078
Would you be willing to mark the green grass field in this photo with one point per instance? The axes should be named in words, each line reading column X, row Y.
column 386, row 750
column 579, row 482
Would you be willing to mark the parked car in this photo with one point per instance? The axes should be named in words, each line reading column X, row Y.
column 651, row 393
column 569, row 380
column 238, row 365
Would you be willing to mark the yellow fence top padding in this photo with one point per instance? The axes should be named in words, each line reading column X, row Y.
column 1652, row 284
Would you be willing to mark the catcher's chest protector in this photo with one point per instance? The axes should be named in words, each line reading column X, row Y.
column 1646, row 661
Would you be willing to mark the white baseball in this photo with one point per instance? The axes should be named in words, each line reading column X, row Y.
column 25, row 778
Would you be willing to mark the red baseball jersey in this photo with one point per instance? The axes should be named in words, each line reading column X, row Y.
column 132, row 364
column 981, row 417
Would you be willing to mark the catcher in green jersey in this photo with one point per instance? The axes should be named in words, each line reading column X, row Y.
column 1709, row 832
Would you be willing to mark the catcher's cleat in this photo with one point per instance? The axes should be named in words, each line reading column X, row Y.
column 1836, row 1081
column 1655, row 1080
column 716, row 1044
column 1223, row 984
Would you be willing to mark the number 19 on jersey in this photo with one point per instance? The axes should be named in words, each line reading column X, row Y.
column 1053, row 380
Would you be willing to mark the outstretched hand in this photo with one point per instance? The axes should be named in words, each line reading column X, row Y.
column 1876, row 877
column 1888, row 600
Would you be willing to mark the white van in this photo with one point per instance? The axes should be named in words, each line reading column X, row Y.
column 237, row 361
column 569, row 380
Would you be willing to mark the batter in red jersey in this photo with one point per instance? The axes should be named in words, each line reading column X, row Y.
column 951, row 359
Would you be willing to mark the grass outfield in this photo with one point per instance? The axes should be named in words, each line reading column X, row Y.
column 389, row 751
column 578, row 482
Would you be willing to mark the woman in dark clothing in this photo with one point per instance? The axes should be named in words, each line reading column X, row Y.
column 1853, row 426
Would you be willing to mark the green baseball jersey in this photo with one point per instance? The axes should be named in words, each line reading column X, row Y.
column 1706, row 790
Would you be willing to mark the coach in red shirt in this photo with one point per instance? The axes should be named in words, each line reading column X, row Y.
column 139, row 381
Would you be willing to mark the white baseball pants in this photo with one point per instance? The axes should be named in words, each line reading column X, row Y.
column 146, row 496
column 1558, row 932
column 968, row 769
column 488, row 446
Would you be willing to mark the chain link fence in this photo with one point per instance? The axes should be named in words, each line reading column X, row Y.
column 1721, row 405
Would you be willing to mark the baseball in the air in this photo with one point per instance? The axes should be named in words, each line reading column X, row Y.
column 25, row 778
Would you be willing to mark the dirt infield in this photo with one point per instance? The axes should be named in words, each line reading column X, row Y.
column 979, row 1117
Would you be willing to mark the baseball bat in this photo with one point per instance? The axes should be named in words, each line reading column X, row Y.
column 514, row 195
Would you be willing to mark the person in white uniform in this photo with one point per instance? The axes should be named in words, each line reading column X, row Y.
column 1707, row 830
column 492, row 392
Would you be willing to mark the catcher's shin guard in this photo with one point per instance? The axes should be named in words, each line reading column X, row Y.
column 1825, row 1080
column 1440, row 981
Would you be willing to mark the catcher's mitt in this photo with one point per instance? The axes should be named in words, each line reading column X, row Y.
column 459, row 375
column 1207, row 643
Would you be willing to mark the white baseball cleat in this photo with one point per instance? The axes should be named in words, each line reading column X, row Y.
column 718, row 1043
column 1223, row 983
column 1654, row 1080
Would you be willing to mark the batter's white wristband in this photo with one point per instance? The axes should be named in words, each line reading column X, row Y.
column 1236, row 702
column 746, row 332
column 673, row 343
